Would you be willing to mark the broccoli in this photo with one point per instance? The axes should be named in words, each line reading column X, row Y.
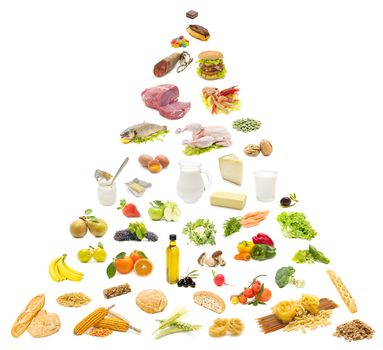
column 285, row 276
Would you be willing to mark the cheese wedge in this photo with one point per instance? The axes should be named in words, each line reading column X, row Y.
column 231, row 168
column 228, row 200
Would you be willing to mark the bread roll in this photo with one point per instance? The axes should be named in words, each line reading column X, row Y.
column 25, row 318
column 151, row 301
column 44, row 324
column 210, row 301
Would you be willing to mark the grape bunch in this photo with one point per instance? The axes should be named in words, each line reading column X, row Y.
column 126, row 235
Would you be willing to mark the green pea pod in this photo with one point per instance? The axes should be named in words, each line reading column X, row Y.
column 263, row 252
column 318, row 256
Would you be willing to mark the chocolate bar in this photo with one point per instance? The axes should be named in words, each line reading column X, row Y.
column 191, row 14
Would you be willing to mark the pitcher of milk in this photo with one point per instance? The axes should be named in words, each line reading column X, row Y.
column 190, row 184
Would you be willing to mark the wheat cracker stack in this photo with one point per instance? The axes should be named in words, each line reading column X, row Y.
column 343, row 291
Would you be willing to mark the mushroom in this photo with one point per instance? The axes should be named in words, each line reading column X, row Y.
column 217, row 256
column 207, row 260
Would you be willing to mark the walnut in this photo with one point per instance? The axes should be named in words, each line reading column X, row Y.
column 252, row 150
column 266, row 147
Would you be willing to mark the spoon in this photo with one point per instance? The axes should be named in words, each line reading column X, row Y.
column 119, row 170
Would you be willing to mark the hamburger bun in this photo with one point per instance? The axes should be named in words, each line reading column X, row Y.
column 210, row 55
column 198, row 32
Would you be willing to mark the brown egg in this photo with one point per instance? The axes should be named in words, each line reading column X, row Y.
column 164, row 161
column 154, row 166
column 144, row 159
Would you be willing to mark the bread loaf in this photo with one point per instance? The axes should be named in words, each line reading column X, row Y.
column 343, row 291
column 25, row 318
column 210, row 301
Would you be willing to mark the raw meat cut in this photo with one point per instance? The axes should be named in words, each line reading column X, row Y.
column 175, row 110
column 160, row 95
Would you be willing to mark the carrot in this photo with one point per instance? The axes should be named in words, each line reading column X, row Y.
column 250, row 223
column 259, row 218
column 255, row 213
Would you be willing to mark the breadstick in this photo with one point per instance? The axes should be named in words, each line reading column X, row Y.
column 343, row 291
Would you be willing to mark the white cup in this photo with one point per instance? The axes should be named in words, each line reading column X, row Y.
column 265, row 183
column 107, row 194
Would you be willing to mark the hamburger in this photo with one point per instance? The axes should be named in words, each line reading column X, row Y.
column 211, row 65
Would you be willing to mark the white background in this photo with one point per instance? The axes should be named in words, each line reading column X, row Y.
column 71, row 75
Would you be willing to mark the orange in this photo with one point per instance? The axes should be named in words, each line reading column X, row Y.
column 143, row 267
column 135, row 255
column 124, row 265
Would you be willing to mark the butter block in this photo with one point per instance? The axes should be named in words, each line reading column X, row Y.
column 231, row 168
column 228, row 200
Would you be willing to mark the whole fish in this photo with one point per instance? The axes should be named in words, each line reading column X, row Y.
column 141, row 130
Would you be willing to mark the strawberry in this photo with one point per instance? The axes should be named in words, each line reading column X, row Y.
column 128, row 209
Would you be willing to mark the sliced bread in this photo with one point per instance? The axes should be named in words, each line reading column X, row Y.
column 210, row 301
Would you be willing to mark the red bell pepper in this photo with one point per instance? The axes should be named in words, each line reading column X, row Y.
column 262, row 238
column 229, row 91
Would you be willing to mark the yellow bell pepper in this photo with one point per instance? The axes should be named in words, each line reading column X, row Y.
column 245, row 246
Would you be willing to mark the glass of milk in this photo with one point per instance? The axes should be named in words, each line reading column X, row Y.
column 107, row 193
column 265, row 182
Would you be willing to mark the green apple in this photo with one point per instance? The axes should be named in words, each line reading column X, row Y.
column 172, row 212
column 84, row 255
column 99, row 253
column 156, row 212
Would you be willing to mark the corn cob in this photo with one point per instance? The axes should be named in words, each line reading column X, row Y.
column 90, row 320
column 116, row 315
column 113, row 323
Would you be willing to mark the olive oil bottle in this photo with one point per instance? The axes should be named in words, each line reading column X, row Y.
column 172, row 261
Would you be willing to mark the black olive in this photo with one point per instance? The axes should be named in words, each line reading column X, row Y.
column 188, row 280
column 181, row 282
column 192, row 284
column 285, row 202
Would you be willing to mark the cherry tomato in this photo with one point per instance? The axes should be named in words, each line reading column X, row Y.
column 234, row 299
column 256, row 287
column 266, row 295
column 248, row 293
column 242, row 299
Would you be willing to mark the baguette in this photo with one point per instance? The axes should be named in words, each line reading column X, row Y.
column 210, row 301
column 343, row 291
column 29, row 313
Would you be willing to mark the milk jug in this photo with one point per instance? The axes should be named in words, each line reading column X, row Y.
column 190, row 184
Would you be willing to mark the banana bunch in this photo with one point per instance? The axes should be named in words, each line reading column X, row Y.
column 60, row 271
